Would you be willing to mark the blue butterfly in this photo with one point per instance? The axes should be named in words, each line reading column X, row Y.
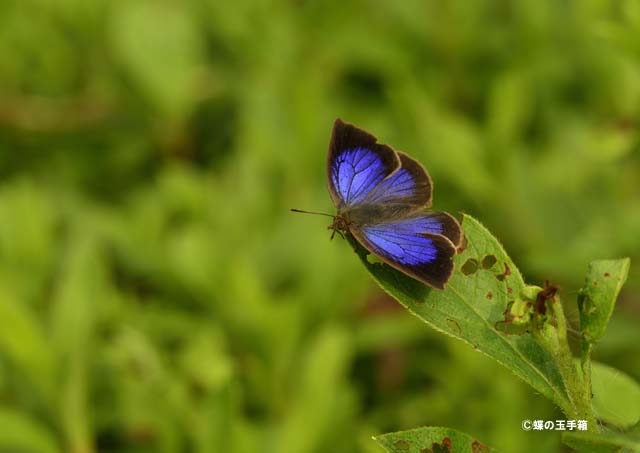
column 381, row 195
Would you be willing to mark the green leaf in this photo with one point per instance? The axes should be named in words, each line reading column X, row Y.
column 78, row 298
column 616, row 396
column 598, row 296
column 431, row 439
column 601, row 442
column 472, row 308
column 19, row 432
column 23, row 342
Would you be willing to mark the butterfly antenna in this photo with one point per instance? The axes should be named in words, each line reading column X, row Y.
column 312, row 212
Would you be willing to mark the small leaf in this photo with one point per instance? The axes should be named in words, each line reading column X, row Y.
column 606, row 442
column 616, row 397
column 431, row 439
column 474, row 307
column 598, row 296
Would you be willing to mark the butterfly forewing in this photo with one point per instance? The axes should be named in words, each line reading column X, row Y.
column 356, row 164
column 407, row 189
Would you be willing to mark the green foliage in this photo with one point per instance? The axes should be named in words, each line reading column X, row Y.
column 22, row 433
column 432, row 440
column 156, row 295
column 541, row 355
column 475, row 306
column 602, row 442
column 598, row 296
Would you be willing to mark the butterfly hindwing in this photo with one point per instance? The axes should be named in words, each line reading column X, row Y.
column 415, row 246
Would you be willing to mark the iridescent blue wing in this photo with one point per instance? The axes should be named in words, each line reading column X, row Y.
column 380, row 195
column 406, row 189
column 420, row 246
column 363, row 172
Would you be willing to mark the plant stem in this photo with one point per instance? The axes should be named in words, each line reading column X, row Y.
column 578, row 385
column 585, row 364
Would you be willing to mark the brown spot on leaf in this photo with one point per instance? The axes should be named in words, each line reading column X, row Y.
column 489, row 295
column 505, row 274
column 509, row 290
column 470, row 266
column 453, row 325
column 477, row 447
column 595, row 283
column 401, row 445
column 488, row 261
column 606, row 274
column 443, row 447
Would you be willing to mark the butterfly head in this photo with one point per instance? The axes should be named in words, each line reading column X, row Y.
column 340, row 225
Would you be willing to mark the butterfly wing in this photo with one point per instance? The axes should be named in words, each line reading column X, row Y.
column 406, row 189
column 381, row 195
column 363, row 172
column 420, row 246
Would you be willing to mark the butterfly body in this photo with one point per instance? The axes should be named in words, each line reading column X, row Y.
column 381, row 196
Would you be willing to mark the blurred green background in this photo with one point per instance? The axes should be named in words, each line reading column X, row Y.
column 156, row 294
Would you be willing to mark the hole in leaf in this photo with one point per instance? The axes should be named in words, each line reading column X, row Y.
column 444, row 447
column 453, row 325
column 488, row 261
column 502, row 277
column 470, row 266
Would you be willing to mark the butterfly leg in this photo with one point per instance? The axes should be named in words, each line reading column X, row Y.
column 333, row 233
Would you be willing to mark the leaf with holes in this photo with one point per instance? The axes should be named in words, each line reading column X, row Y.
column 474, row 307
column 431, row 439
column 598, row 296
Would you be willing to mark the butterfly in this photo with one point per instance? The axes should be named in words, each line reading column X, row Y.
column 381, row 196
